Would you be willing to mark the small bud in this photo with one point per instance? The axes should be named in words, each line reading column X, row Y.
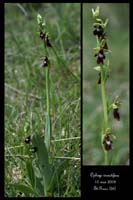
column 117, row 102
column 95, row 13
column 39, row 19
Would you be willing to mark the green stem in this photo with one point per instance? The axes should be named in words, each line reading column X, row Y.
column 104, row 99
column 47, row 91
column 105, row 111
column 106, row 158
column 105, row 108
column 47, row 137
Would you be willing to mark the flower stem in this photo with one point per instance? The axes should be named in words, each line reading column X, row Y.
column 102, row 48
column 47, row 91
column 106, row 161
column 105, row 111
column 48, row 130
column 48, row 119
column 104, row 99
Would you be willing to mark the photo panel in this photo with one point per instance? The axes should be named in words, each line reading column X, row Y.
column 106, row 84
column 42, row 100
column 106, row 99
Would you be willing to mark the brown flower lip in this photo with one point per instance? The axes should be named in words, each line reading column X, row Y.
column 45, row 62
column 98, row 31
column 27, row 139
column 107, row 143
column 45, row 37
column 116, row 114
column 100, row 57
column 48, row 41
column 42, row 35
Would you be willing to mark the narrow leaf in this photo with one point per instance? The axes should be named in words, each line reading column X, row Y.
column 43, row 160
column 30, row 172
column 57, row 173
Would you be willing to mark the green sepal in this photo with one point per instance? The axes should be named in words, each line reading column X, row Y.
column 106, row 22
column 99, row 21
column 97, row 68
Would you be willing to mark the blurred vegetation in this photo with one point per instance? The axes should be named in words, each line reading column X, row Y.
column 25, row 97
column 117, row 84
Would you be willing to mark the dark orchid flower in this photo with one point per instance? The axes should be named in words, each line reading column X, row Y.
column 98, row 31
column 47, row 41
column 45, row 37
column 27, row 139
column 45, row 62
column 42, row 35
column 100, row 57
column 116, row 114
column 107, row 143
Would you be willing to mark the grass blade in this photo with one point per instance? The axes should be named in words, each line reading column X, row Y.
column 30, row 172
column 25, row 189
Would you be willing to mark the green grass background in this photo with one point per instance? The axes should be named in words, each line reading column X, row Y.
column 117, row 84
column 24, row 75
